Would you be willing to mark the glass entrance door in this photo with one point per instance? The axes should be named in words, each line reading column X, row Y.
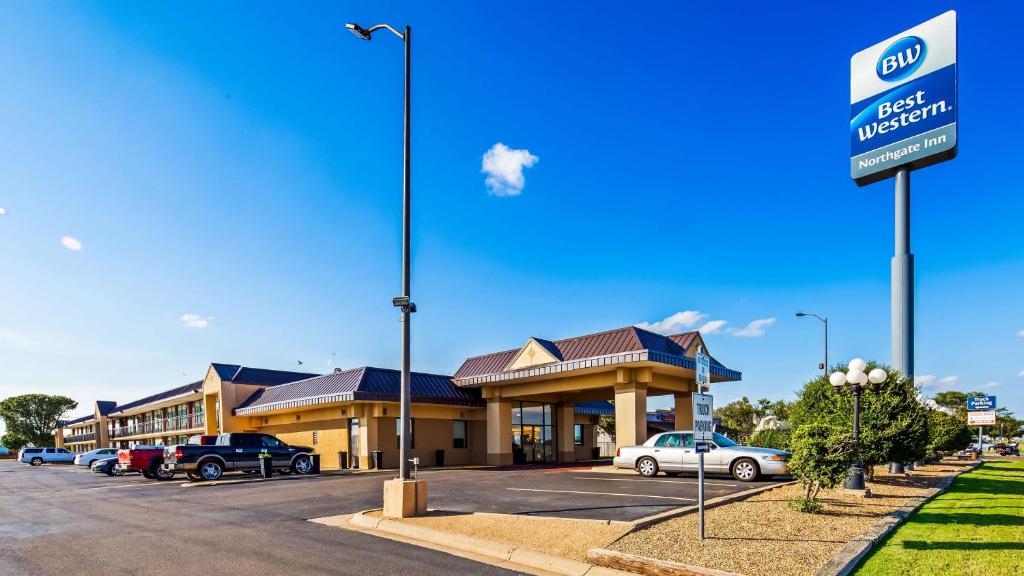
column 533, row 438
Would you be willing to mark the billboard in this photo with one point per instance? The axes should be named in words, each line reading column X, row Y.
column 903, row 101
column 981, row 402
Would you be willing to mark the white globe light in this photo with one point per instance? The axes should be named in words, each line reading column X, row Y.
column 857, row 365
column 863, row 379
column 837, row 379
column 854, row 376
column 877, row 376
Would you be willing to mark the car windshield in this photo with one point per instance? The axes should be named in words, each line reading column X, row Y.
column 724, row 442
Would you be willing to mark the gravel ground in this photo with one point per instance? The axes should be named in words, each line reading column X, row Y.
column 560, row 537
column 764, row 536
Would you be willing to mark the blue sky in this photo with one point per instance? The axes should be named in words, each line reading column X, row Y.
column 241, row 163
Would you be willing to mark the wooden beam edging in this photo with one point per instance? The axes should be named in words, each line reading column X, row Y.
column 648, row 566
column 845, row 561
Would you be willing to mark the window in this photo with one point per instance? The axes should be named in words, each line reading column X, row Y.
column 412, row 433
column 62, row 451
column 459, row 433
column 270, row 442
column 244, row 440
column 50, row 451
column 668, row 441
column 577, row 434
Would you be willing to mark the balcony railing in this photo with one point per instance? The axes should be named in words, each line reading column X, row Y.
column 81, row 438
column 175, row 424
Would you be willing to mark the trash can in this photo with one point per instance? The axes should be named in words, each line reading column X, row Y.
column 353, row 461
column 266, row 467
column 595, row 452
column 439, row 457
column 376, row 459
column 895, row 467
column 342, row 459
column 315, row 460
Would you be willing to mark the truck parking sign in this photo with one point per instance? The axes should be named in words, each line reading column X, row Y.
column 703, row 422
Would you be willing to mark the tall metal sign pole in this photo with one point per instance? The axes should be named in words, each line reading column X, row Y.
column 703, row 428
column 903, row 117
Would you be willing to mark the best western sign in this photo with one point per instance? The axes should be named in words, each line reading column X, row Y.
column 903, row 101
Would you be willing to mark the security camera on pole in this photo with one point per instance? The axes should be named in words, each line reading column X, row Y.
column 703, row 428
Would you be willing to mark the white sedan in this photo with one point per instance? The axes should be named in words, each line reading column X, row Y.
column 674, row 452
column 87, row 458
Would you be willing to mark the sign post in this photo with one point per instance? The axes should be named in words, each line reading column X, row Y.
column 903, row 116
column 703, row 428
column 981, row 411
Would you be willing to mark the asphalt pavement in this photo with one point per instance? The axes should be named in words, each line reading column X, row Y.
column 62, row 519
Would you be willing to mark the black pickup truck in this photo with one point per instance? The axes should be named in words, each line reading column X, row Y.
column 236, row 451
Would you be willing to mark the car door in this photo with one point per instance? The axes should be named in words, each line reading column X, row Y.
column 245, row 451
column 717, row 458
column 668, row 452
column 689, row 453
column 279, row 451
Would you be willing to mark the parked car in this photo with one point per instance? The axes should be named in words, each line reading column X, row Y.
column 1008, row 449
column 202, row 439
column 236, row 451
column 147, row 460
column 674, row 452
column 40, row 456
column 87, row 458
column 106, row 466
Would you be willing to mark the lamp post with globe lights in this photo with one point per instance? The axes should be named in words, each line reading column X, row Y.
column 856, row 381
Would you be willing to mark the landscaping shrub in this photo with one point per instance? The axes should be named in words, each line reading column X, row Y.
column 778, row 439
column 822, row 454
column 947, row 432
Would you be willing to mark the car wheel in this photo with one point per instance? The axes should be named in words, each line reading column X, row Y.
column 211, row 470
column 36, row 462
column 302, row 465
column 116, row 471
column 193, row 476
column 110, row 472
column 745, row 470
column 647, row 467
column 163, row 475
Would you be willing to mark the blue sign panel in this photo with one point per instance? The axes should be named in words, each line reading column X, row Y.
column 903, row 101
column 981, row 402
column 702, row 447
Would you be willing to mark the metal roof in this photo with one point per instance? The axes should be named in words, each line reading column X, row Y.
column 627, row 344
column 258, row 376
column 367, row 383
column 78, row 420
column 159, row 396
column 599, row 408
column 106, row 406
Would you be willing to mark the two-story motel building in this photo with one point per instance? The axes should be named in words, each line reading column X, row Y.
column 539, row 402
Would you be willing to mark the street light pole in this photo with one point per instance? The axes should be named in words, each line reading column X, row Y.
column 825, row 320
column 404, row 302
column 856, row 380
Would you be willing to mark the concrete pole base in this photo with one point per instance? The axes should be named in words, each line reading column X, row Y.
column 405, row 498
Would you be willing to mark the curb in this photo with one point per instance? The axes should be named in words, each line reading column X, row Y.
column 845, row 561
column 501, row 553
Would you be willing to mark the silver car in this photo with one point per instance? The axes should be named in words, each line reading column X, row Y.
column 674, row 452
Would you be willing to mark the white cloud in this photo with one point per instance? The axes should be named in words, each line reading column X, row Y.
column 195, row 320
column 675, row 323
column 71, row 243
column 504, row 169
column 3, row 211
column 1021, row 333
column 988, row 385
column 755, row 329
column 712, row 327
column 949, row 380
column 925, row 380
column 1021, row 373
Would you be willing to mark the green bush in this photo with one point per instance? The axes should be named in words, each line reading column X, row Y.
column 778, row 439
column 822, row 454
column 946, row 432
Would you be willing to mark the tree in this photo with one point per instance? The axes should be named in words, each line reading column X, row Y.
column 13, row 441
column 742, row 416
column 893, row 423
column 947, row 432
column 607, row 423
column 822, row 455
column 768, row 438
column 34, row 417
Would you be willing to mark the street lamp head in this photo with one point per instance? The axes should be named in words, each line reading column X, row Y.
column 857, row 365
column 877, row 376
column 358, row 31
column 800, row 314
column 837, row 379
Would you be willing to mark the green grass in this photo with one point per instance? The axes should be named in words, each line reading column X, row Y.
column 974, row 528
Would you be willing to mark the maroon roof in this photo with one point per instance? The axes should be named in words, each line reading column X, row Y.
column 629, row 339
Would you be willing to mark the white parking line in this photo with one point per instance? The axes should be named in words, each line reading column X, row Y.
column 693, row 481
column 602, row 494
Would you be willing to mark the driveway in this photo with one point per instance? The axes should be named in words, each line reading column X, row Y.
column 60, row 519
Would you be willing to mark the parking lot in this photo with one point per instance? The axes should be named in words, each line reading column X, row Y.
column 60, row 519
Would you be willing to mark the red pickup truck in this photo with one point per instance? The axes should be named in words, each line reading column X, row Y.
column 147, row 460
